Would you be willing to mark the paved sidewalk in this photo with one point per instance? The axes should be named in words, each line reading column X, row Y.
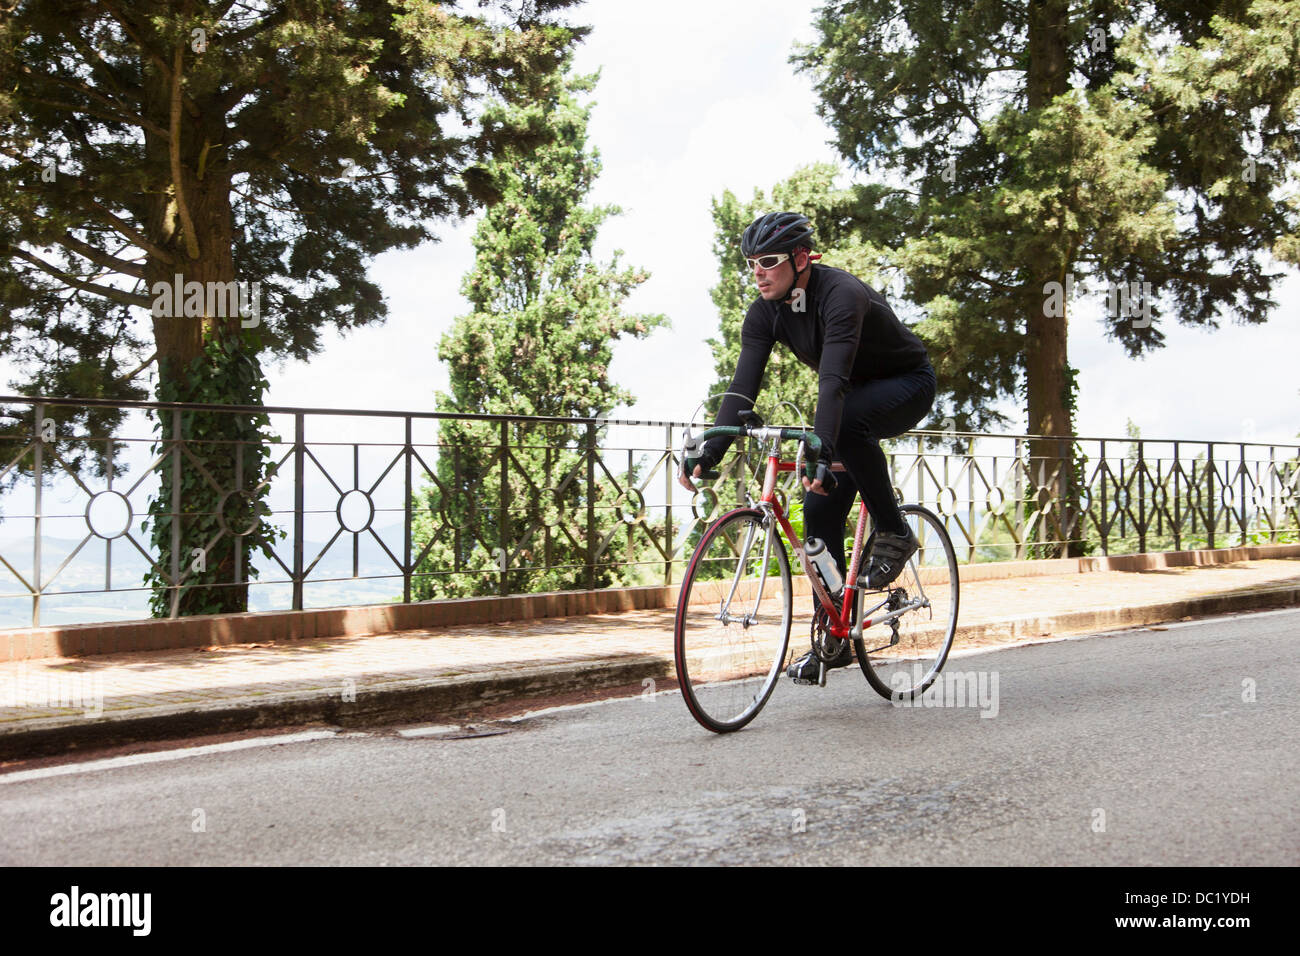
column 51, row 705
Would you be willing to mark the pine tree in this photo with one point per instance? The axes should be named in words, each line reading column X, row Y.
column 1141, row 147
column 538, row 342
column 155, row 143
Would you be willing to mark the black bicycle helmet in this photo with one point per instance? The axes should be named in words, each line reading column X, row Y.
column 776, row 232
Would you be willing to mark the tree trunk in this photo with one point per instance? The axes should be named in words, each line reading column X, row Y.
column 1046, row 361
column 1051, row 459
column 198, row 193
column 205, row 569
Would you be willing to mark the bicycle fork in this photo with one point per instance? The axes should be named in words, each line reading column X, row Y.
column 724, row 612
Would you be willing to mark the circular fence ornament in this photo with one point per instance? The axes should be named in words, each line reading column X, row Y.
column 1261, row 498
column 710, row 498
column 109, row 514
column 947, row 502
column 355, row 511
column 996, row 501
column 630, row 506
column 228, row 514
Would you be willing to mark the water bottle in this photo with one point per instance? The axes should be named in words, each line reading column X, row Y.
column 821, row 559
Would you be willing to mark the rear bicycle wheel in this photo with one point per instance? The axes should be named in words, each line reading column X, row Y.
column 902, row 658
column 733, row 620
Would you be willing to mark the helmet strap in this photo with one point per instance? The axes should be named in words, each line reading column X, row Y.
column 795, row 281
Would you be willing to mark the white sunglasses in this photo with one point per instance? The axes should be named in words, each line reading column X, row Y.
column 767, row 262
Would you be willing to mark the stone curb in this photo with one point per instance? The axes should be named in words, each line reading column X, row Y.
column 218, row 630
column 428, row 700
column 412, row 701
column 1016, row 628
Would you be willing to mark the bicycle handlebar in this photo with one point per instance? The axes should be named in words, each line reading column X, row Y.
column 813, row 443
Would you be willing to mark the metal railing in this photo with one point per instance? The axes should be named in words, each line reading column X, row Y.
column 570, row 503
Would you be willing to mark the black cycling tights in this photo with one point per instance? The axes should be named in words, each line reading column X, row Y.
column 884, row 408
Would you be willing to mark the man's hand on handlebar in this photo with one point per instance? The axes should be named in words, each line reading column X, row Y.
column 696, row 468
column 704, row 467
column 685, row 482
column 814, row 486
column 823, row 482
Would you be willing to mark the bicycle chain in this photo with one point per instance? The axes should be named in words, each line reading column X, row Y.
column 897, row 598
column 825, row 645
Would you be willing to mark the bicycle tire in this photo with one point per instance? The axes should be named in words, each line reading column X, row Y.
column 727, row 669
column 904, row 670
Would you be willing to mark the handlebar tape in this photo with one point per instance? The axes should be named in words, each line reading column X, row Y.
column 813, row 443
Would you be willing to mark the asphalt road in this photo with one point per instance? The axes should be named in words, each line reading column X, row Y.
column 1156, row 746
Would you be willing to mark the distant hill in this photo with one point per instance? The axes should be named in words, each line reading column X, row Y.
column 87, row 572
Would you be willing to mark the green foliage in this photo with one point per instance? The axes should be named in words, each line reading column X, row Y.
column 539, row 342
column 1072, row 516
column 1142, row 142
column 224, row 482
column 284, row 143
column 1029, row 145
column 309, row 138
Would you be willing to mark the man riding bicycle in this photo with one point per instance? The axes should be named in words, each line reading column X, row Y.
column 875, row 381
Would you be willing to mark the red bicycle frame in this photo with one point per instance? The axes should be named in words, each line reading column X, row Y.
column 841, row 619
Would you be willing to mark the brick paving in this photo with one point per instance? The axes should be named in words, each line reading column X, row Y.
column 118, row 684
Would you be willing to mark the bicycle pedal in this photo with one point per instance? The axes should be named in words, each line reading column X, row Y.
column 804, row 681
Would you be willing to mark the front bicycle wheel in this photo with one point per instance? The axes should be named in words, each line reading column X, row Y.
column 901, row 658
column 733, row 620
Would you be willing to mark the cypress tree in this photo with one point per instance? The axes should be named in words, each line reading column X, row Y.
column 539, row 341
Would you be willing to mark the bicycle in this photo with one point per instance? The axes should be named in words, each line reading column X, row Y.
column 734, row 612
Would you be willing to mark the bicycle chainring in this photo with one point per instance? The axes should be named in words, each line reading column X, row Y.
column 825, row 645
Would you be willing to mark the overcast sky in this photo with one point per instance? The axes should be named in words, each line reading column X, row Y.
column 696, row 98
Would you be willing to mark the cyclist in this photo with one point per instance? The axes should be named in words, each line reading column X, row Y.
column 875, row 381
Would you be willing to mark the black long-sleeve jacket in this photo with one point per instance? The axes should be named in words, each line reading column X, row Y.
column 846, row 332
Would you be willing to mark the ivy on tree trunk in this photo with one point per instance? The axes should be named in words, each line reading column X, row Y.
column 222, row 460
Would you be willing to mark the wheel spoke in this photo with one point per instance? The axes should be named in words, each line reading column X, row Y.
column 928, row 587
column 728, row 662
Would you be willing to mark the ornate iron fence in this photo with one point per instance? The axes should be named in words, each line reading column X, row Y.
column 588, row 503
